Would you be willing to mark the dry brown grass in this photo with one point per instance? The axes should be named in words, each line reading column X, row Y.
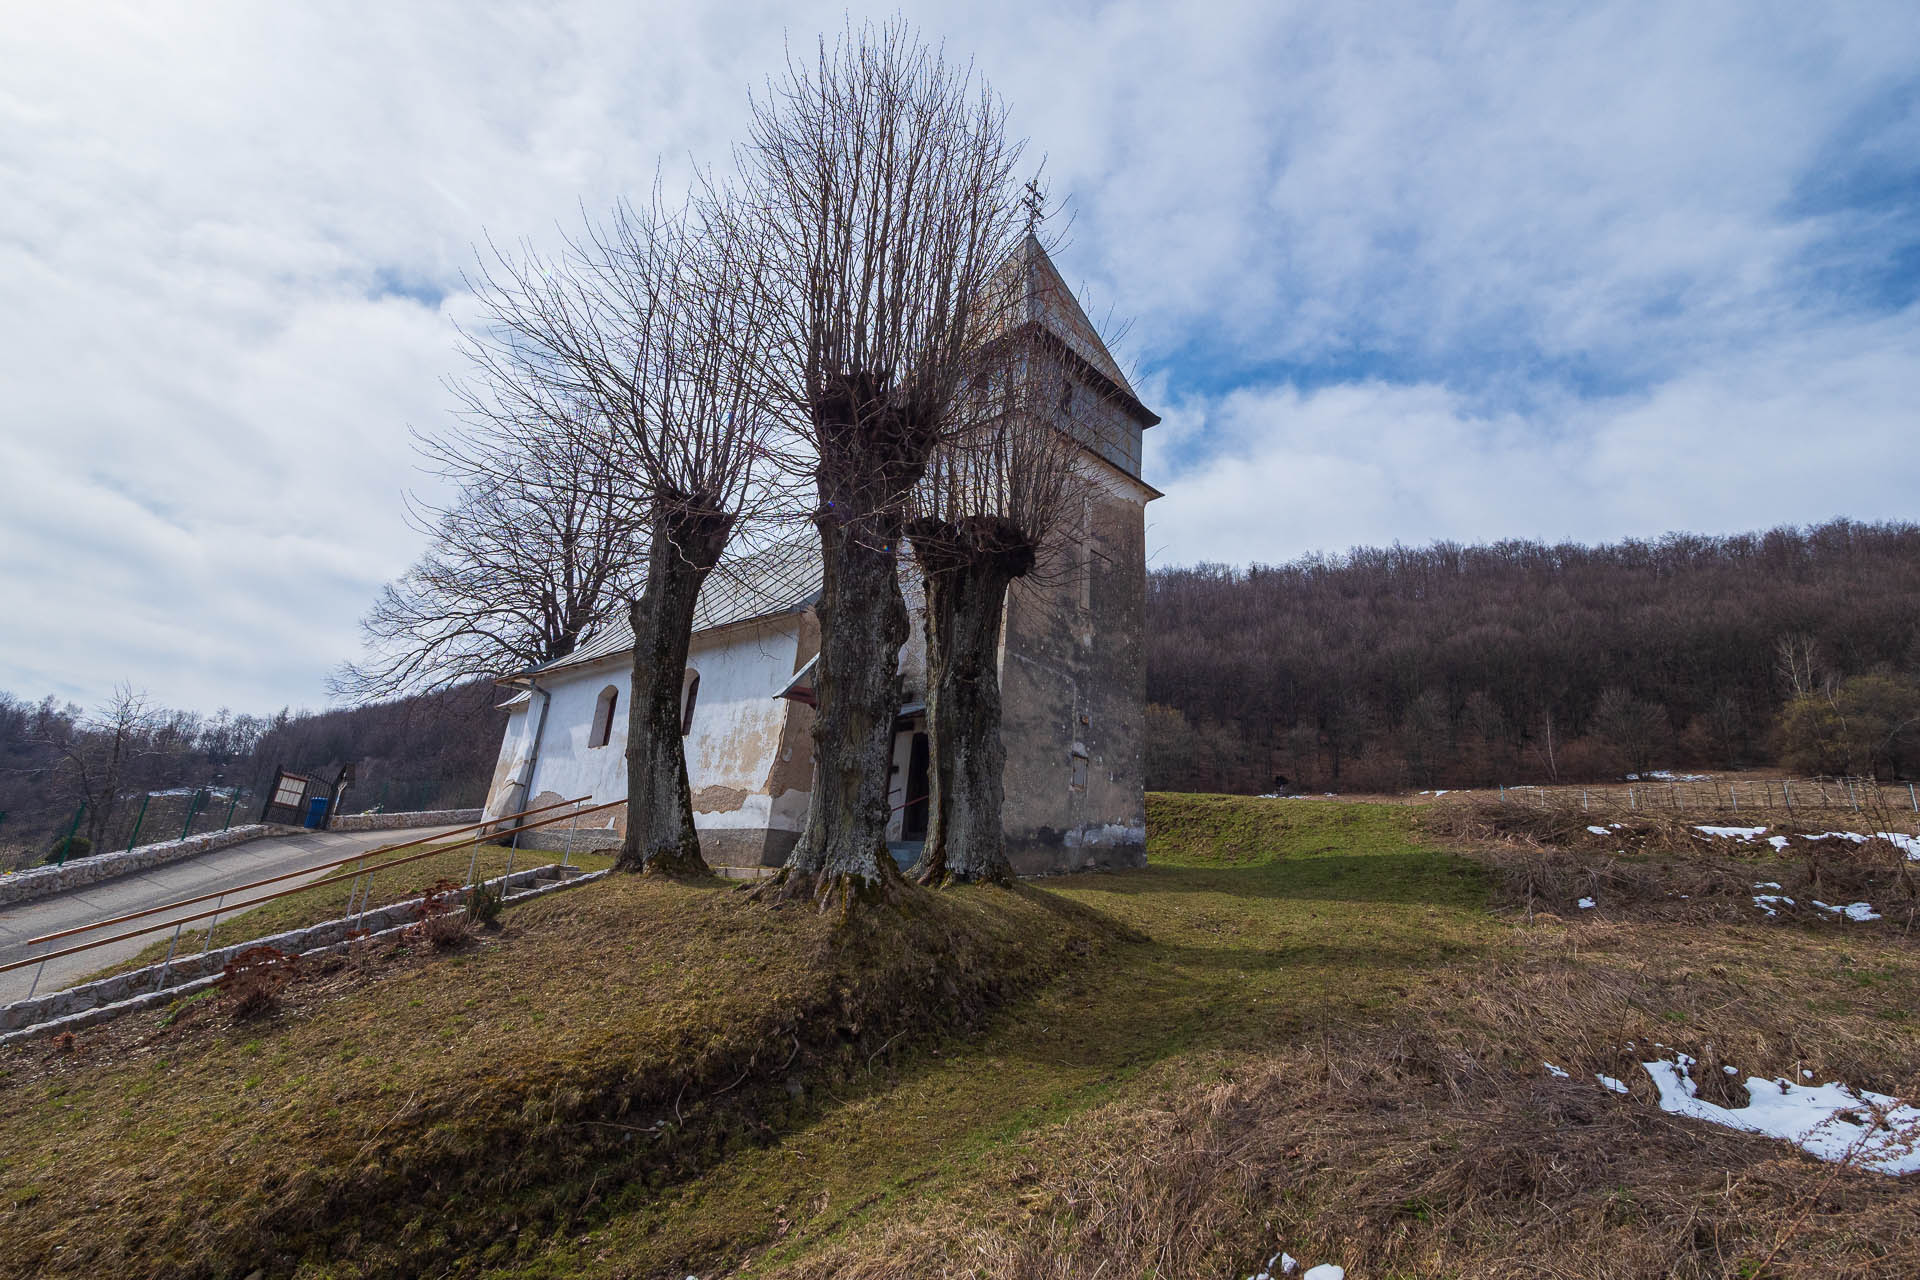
column 402, row 1107
column 1438, row 1145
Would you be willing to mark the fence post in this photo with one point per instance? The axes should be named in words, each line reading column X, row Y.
column 567, row 855
column 230, row 808
column 193, row 802
column 137, row 820
column 1911, row 799
column 161, row 985
column 214, row 921
column 1786, row 790
column 67, row 846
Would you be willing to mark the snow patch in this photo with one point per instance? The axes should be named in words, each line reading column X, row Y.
column 1734, row 833
column 1587, row 904
column 1599, row 831
column 1765, row 901
column 1829, row 1121
column 1861, row 911
column 1608, row 1082
column 1288, row 1264
column 1554, row 1071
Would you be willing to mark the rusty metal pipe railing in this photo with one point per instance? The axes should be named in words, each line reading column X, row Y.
column 306, row 871
column 254, row 902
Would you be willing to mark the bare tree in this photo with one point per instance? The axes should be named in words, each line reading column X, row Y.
column 989, row 508
column 100, row 751
column 532, row 556
column 880, row 181
column 636, row 347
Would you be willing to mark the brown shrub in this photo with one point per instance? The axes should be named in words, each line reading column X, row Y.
column 439, row 920
column 253, row 980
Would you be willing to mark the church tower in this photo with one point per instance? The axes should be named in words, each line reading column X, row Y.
column 1073, row 653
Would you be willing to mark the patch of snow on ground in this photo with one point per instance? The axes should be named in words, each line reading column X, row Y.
column 1289, row 1264
column 1779, row 842
column 1734, row 833
column 1599, row 831
column 1618, row 1086
column 1766, row 884
column 1587, row 904
column 1556, row 1072
column 1765, row 901
column 1861, row 911
column 1827, row 1121
column 1854, row 836
column 1909, row 845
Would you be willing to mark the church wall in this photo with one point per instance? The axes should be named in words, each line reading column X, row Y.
column 738, row 734
column 1073, row 684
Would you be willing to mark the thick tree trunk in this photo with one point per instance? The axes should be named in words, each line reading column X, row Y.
column 661, row 837
column 968, row 571
column 863, row 622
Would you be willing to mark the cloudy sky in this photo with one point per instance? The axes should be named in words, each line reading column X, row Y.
column 1392, row 272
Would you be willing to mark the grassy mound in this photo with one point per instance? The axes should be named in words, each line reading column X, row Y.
column 408, row 1110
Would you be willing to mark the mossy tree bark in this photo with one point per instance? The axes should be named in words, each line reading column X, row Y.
column 874, row 446
column 661, row 838
column 968, row 567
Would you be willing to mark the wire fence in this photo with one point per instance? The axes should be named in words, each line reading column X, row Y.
column 1788, row 797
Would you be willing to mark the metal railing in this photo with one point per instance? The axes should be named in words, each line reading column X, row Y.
column 488, row 830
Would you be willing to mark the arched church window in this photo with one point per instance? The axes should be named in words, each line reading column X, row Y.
column 690, row 691
column 603, row 717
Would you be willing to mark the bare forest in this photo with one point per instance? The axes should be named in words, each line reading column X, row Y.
column 131, row 762
column 1463, row 666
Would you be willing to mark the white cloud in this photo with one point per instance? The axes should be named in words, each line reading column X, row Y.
column 1790, row 433
column 1540, row 273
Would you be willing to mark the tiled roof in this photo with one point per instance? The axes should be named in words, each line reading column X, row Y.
column 780, row 577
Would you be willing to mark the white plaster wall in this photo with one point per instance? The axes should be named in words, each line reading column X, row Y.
column 735, row 732
column 515, row 744
column 567, row 766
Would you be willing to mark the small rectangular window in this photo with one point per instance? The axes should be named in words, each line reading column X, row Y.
column 1079, row 782
column 289, row 790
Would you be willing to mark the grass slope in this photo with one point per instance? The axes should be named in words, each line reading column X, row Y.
column 1306, row 1025
column 407, row 1111
column 381, row 887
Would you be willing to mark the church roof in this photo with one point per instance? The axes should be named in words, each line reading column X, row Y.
column 778, row 578
column 1048, row 302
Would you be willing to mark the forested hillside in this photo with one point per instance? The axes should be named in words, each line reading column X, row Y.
column 426, row 752
column 1450, row 665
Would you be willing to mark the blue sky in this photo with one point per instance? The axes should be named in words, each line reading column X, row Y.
column 1391, row 272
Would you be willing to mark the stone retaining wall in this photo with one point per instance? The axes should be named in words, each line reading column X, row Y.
column 402, row 821
column 105, row 998
column 38, row 882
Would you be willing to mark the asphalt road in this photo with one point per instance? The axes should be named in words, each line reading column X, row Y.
column 208, row 873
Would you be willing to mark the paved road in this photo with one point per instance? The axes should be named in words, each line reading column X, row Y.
column 208, row 873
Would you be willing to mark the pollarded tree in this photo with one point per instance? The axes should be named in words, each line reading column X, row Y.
column 990, row 507
column 643, row 346
column 880, row 180
column 527, row 560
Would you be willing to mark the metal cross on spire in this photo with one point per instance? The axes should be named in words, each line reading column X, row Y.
column 1036, row 202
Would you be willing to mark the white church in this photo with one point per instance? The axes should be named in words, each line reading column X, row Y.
column 1072, row 672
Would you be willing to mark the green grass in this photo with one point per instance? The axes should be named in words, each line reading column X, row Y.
column 659, row 1079
column 1262, row 920
column 329, row 902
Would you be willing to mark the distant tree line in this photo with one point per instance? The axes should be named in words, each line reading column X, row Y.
column 1457, row 666
column 430, row 751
